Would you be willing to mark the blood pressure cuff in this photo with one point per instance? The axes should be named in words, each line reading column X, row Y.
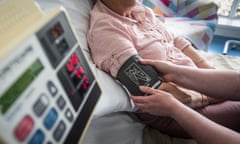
column 133, row 74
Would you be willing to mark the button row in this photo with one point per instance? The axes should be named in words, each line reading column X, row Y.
column 25, row 126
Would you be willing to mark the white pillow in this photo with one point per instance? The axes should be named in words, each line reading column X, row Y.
column 113, row 98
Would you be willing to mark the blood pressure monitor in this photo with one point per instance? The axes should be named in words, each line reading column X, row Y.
column 47, row 92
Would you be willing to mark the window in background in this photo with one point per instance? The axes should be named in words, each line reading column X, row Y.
column 229, row 10
column 238, row 10
column 229, row 18
column 228, row 28
column 225, row 7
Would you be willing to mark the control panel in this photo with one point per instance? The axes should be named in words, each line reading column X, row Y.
column 47, row 92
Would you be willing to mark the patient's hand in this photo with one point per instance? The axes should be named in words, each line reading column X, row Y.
column 197, row 99
column 188, row 97
column 176, row 92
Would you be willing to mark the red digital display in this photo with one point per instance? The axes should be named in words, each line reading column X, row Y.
column 73, row 61
column 86, row 83
column 79, row 72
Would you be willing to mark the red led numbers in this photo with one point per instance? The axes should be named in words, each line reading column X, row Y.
column 72, row 62
column 86, row 83
column 74, row 59
column 79, row 72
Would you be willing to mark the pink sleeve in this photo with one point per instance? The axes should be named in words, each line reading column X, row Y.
column 110, row 45
column 181, row 42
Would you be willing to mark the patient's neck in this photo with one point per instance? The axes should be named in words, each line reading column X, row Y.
column 122, row 7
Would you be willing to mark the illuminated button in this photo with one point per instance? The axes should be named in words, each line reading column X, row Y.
column 40, row 105
column 69, row 115
column 86, row 83
column 59, row 131
column 24, row 128
column 50, row 119
column 78, row 75
column 79, row 72
column 61, row 102
column 84, row 86
column 37, row 138
column 74, row 58
column 52, row 88
column 70, row 67
column 72, row 63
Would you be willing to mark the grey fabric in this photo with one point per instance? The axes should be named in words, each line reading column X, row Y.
column 152, row 136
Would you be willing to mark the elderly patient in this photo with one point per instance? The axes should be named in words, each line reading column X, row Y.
column 120, row 29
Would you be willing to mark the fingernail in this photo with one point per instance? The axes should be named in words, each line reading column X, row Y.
column 141, row 87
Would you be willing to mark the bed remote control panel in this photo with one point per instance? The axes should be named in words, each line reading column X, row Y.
column 47, row 92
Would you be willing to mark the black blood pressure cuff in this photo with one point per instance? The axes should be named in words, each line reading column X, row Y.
column 133, row 74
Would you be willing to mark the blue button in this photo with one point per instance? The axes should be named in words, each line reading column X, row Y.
column 37, row 138
column 50, row 119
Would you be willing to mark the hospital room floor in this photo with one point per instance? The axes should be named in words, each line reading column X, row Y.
column 217, row 46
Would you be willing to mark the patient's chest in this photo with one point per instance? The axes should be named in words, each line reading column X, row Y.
column 155, row 42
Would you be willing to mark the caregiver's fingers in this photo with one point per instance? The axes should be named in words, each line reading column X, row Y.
column 139, row 99
column 149, row 61
column 148, row 90
column 155, row 63
column 160, row 66
column 140, row 106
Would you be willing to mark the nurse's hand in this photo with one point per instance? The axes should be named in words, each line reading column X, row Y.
column 165, row 69
column 158, row 102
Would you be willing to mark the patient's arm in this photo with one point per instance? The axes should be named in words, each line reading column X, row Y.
column 199, row 61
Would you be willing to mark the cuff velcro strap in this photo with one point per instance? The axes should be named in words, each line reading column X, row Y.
column 133, row 74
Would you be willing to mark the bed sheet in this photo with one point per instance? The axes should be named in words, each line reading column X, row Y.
column 115, row 128
column 220, row 61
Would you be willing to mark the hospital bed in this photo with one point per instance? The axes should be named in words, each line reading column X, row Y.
column 111, row 123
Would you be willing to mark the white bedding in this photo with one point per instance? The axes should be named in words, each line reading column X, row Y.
column 222, row 61
column 110, row 125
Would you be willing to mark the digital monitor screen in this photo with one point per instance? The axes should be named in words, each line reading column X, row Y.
column 18, row 87
column 55, row 32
